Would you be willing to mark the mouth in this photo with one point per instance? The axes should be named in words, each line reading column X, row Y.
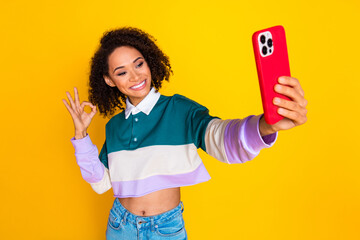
column 139, row 86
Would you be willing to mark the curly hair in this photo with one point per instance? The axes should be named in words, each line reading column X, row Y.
column 107, row 98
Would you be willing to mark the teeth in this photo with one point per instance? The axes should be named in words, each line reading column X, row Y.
column 138, row 86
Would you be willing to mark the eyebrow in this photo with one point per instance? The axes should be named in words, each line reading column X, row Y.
column 123, row 66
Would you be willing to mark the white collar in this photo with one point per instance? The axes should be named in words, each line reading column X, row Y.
column 145, row 106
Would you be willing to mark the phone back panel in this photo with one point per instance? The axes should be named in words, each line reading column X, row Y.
column 270, row 67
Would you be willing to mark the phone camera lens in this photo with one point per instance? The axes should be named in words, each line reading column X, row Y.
column 264, row 50
column 262, row 39
column 269, row 42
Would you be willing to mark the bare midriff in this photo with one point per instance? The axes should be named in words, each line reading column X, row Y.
column 153, row 203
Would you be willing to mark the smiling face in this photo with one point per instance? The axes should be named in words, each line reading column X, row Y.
column 130, row 73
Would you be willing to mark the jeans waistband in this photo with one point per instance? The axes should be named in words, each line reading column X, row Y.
column 148, row 220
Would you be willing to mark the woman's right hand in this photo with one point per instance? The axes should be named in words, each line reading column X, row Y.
column 80, row 118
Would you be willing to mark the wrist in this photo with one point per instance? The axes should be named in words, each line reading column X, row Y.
column 264, row 128
column 80, row 134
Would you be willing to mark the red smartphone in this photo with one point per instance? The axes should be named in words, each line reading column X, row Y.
column 272, row 61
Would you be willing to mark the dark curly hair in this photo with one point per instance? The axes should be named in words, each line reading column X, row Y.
column 107, row 98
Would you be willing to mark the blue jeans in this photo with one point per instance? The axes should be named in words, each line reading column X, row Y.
column 122, row 224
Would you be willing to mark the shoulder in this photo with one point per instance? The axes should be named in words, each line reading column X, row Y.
column 185, row 102
column 114, row 120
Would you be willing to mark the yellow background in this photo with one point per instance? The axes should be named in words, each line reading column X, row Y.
column 304, row 187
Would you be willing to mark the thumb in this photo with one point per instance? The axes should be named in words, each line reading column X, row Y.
column 93, row 112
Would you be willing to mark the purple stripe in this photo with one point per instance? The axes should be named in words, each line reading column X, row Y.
column 269, row 139
column 233, row 142
column 242, row 140
column 86, row 153
column 142, row 187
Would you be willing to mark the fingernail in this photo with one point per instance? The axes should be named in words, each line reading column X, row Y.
column 281, row 80
column 276, row 100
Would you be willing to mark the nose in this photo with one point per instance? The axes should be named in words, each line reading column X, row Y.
column 134, row 76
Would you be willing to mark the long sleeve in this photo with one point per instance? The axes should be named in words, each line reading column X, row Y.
column 236, row 141
column 92, row 169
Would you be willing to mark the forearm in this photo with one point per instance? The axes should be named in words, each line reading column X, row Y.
column 92, row 169
column 86, row 154
column 238, row 140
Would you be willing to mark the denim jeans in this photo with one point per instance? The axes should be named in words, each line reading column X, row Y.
column 122, row 224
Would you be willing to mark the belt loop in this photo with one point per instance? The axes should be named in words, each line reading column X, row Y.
column 182, row 206
column 152, row 224
column 125, row 215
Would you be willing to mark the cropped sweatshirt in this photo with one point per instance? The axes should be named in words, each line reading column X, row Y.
column 153, row 146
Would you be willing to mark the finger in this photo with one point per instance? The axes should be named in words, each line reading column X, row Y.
column 290, row 105
column 85, row 103
column 77, row 100
column 293, row 82
column 289, row 92
column 68, row 107
column 71, row 100
column 93, row 112
column 296, row 117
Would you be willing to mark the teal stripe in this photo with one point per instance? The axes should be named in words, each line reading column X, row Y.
column 174, row 120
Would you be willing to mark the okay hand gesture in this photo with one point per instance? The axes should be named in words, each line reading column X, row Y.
column 80, row 118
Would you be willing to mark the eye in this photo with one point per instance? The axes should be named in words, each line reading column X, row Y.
column 120, row 74
column 140, row 64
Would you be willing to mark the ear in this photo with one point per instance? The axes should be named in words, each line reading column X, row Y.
column 108, row 81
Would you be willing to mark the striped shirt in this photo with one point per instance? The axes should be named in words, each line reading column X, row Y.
column 153, row 146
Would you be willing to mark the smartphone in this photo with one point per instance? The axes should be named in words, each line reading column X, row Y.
column 272, row 61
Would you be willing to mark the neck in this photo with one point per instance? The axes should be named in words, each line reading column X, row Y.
column 135, row 101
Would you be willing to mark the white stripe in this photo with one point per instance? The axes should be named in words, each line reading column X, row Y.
column 144, row 162
column 214, row 139
column 104, row 184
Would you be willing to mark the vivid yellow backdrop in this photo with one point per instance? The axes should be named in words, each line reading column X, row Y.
column 306, row 186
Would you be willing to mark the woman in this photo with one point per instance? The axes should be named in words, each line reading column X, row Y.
column 150, row 149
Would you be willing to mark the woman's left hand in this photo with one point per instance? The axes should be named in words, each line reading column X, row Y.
column 294, row 111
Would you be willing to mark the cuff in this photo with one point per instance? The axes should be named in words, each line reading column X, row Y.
column 82, row 145
column 255, row 140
